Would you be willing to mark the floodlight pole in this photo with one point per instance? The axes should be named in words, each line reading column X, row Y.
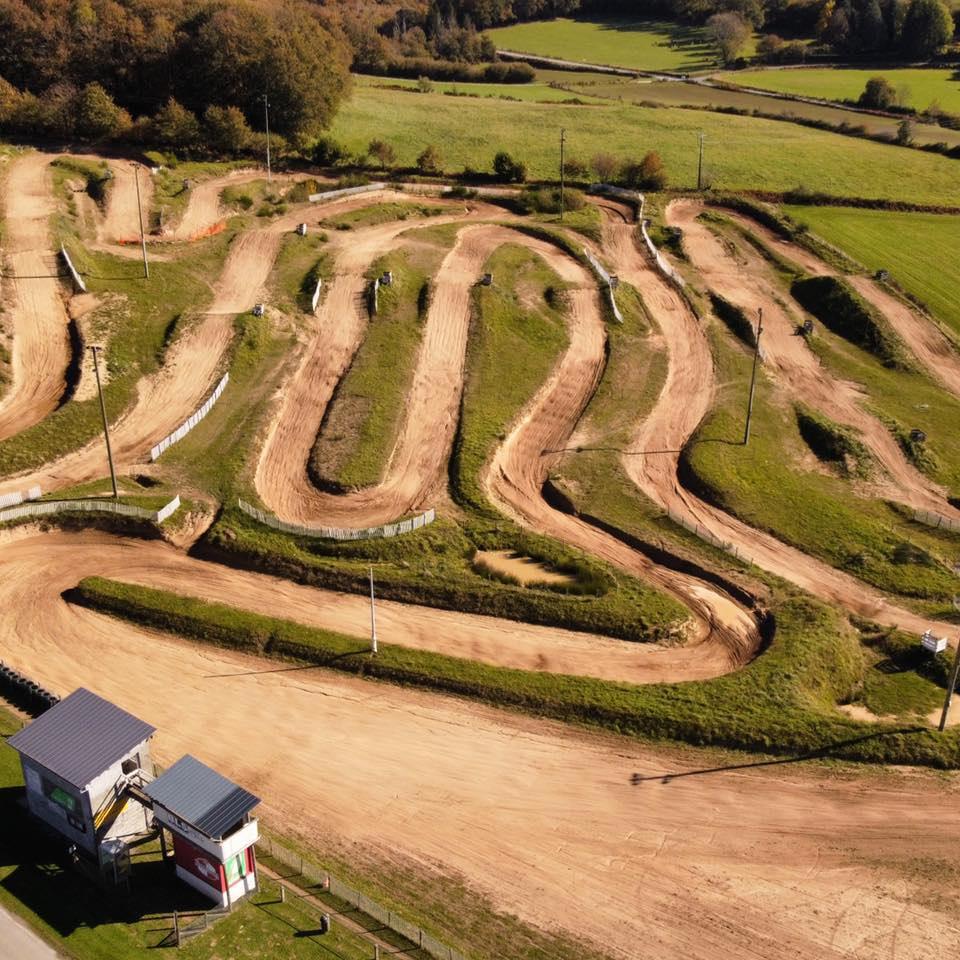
column 143, row 239
column 563, row 137
column 700, row 166
column 266, row 120
column 373, row 617
column 103, row 413
column 753, row 376
column 953, row 677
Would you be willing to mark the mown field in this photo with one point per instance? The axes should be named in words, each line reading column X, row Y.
column 918, row 249
column 635, row 44
column 919, row 88
column 741, row 152
column 539, row 91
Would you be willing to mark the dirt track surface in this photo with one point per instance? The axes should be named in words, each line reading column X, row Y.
column 37, row 316
column 766, row 863
column 652, row 460
column 121, row 219
column 744, row 278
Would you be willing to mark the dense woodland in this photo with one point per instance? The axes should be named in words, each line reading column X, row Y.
column 195, row 72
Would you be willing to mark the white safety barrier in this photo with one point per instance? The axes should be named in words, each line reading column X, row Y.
column 48, row 507
column 375, row 297
column 704, row 534
column 936, row 520
column 77, row 279
column 12, row 499
column 659, row 258
column 345, row 192
column 621, row 193
column 316, row 294
column 339, row 533
column 188, row 425
column 608, row 280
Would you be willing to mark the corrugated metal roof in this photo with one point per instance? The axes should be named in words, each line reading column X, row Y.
column 201, row 796
column 80, row 737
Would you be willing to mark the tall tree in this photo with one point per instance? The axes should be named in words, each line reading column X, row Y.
column 927, row 27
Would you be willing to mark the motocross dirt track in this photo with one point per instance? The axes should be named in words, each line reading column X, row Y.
column 653, row 458
column 767, row 863
column 37, row 316
column 744, row 278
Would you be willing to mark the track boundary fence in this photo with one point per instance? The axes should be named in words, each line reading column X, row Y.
column 77, row 279
column 19, row 496
column 329, row 195
column 339, row 533
column 598, row 268
column 316, row 294
column 707, row 536
column 360, row 901
column 49, row 507
column 188, row 424
column 931, row 519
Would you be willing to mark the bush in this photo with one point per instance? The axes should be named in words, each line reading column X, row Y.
column 176, row 126
column 327, row 152
column 508, row 169
column 878, row 94
column 383, row 153
column 648, row 174
column 430, row 161
column 547, row 200
column 226, row 130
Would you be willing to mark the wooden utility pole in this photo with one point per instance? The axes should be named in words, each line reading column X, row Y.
column 103, row 412
column 266, row 121
column 700, row 165
column 563, row 138
column 373, row 617
column 753, row 376
column 143, row 239
column 951, row 686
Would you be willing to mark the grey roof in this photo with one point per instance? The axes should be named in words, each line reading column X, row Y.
column 80, row 737
column 202, row 797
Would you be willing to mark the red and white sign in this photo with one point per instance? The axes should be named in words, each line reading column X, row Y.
column 199, row 863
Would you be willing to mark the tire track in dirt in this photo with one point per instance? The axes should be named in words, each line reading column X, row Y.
column 653, row 458
column 540, row 818
column 746, row 281
column 37, row 316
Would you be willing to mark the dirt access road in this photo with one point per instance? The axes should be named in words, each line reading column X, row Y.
column 744, row 278
column 553, row 825
column 653, row 457
column 37, row 316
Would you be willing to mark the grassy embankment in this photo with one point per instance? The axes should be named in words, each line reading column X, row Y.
column 742, row 152
column 632, row 43
column 782, row 703
column 381, row 213
column 913, row 247
column 72, row 913
column 136, row 321
column 919, row 88
column 539, row 91
column 434, row 566
column 364, row 417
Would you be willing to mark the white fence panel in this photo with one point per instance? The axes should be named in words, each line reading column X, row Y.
column 329, row 195
column 77, row 279
column 339, row 533
column 50, row 507
column 190, row 423
column 19, row 496
column 707, row 536
column 316, row 294
column 936, row 520
column 659, row 258
column 608, row 280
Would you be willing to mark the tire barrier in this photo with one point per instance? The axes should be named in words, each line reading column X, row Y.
column 24, row 692
column 608, row 280
column 50, row 507
column 77, row 279
column 339, row 533
column 189, row 424
column 12, row 499
column 345, row 192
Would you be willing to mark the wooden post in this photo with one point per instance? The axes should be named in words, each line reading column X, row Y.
column 176, row 927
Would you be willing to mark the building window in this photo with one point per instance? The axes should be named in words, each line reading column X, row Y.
column 61, row 797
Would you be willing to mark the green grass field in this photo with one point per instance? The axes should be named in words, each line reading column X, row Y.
column 919, row 88
column 634, row 44
column 914, row 247
column 741, row 152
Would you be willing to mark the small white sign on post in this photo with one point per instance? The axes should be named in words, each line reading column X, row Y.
column 934, row 644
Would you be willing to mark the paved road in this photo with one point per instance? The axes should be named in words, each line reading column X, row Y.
column 19, row 942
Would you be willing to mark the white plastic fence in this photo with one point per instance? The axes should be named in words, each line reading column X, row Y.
column 12, row 499
column 189, row 424
column 339, row 533
column 316, row 294
column 621, row 193
column 704, row 534
column 329, row 195
column 936, row 520
column 375, row 297
column 77, row 279
column 49, row 507
column 608, row 280
column 659, row 258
